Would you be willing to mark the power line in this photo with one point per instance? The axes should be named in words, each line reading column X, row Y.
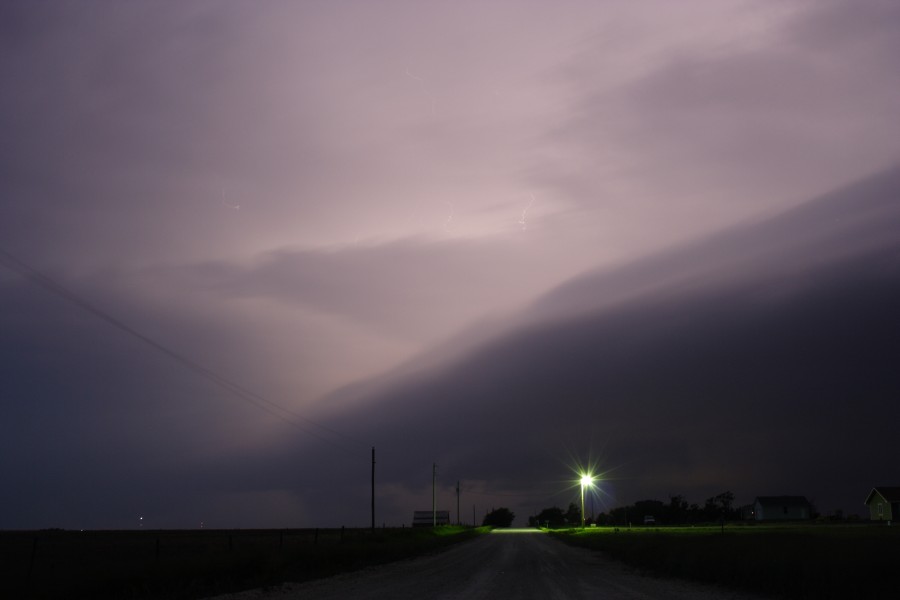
column 273, row 408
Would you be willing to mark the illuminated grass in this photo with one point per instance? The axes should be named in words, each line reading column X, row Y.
column 799, row 561
column 518, row 531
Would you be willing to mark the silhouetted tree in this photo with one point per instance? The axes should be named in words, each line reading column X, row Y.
column 619, row 515
column 719, row 507
column 499, row 517
column 549, row 517
column 603, row 519
column 725, row 500
column 677, row 509
column 573, row 515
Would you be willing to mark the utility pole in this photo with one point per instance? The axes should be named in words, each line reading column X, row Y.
column 433, row 505
column 457, row 503
column 373, row 488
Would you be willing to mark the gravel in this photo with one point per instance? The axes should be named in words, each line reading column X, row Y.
column 505, row 564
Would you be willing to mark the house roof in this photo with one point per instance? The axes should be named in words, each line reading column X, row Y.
column 782, row 500
column 889, row 493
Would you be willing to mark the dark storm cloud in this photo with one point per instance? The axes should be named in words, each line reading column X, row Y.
column 780, row 382
column 785, row 247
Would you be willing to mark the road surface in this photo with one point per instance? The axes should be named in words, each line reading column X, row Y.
column 505, row 564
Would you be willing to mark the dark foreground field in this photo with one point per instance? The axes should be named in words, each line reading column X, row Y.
column 193, row 564
column 800, row 561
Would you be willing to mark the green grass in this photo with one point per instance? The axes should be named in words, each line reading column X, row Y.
column 193, row 564
column 791, row 561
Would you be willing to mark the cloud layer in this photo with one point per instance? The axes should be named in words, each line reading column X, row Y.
column 382, row 215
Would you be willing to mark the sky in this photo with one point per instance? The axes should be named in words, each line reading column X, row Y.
column 243, row 243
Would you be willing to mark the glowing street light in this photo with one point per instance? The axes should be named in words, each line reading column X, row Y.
column 586, row 481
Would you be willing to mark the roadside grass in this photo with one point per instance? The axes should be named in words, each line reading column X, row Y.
column 790, row 561
column 190, row 564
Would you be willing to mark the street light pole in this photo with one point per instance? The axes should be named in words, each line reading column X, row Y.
column 582, row 502
column 586, row 480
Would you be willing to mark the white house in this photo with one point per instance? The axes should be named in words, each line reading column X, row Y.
column 884, row 503
column 781, row 508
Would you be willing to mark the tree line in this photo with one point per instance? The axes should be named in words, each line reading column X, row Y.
column 676, row 512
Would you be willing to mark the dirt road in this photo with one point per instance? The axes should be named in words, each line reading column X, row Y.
column 505, row 564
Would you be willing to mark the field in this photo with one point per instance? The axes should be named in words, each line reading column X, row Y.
column 792, row 561
column 196, row 563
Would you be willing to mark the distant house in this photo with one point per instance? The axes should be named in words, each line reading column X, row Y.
column 425, row 518
column 884, row 503
column 780, row 508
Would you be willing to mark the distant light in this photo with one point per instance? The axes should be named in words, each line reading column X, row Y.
column 587, row 480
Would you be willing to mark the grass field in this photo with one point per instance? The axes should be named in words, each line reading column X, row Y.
column 196, row 563
column 818, row 561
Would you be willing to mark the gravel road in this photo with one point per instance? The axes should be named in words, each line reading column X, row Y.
column 505, row 564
